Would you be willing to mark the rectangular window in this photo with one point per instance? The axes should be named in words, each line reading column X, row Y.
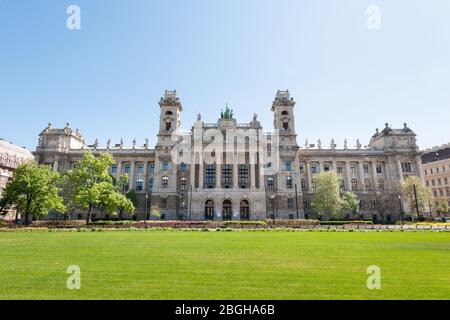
column 406, row 167
column 366, row 168
column 314, row 168
column 288, row 166
column 165, row 166
column 151, row 167
column 326, row 167
column 243, row 176
column 163, row 203
column 183, row 167
column 302, row 168
column 340, row 169
column 140, row 168
column 227, row 175
column 127, row 168
column 290, row 203
column 114, row 168
column 379, row 168
column 210, row 176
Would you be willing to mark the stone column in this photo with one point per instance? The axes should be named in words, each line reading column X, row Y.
column 252, row 173
column 399, row 170
column 348, row 176
column 374, row 176
column 55, row 165
column 308, row 176
column 235, row 171
column 333, row 165
column 419, row 169
column 146, row 176
column 119, row 168
column 192, row 166
column 200, row 174
column 132, row 176
column 218, row 173
column 321, row 166
column 361, row 176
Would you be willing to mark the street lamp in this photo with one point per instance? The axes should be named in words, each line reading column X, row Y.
column 401, row 208
column 146, row 208
column 296, row 200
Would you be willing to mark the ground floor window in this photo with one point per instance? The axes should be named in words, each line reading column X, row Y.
column 245, row 210
column 227, row 210
column 209, row 210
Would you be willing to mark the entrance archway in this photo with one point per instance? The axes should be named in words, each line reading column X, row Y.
column 209, row 210
column 227, row 210
column 245, row 210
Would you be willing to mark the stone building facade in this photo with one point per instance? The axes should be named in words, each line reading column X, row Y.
column 436, row 170
column 11, row 156
column 236, row 171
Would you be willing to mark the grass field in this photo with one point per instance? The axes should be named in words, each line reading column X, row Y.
column 224, row 265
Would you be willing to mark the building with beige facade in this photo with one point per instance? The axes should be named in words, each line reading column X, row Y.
column 11, row 156
column 226, row 170
column 436, row 170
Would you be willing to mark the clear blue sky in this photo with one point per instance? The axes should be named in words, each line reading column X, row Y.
column 106, row 79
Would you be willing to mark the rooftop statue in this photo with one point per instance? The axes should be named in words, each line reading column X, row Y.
column 227, row 114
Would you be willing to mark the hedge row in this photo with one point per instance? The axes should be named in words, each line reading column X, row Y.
column 341, row 223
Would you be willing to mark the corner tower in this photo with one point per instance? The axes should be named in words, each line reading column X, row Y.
column 284, row 120
column 169, row 119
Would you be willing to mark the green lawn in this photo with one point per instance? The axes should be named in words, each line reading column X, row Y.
column 224, row 265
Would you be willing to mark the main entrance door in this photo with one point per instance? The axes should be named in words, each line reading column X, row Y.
column 227, row 210
column 245, row 210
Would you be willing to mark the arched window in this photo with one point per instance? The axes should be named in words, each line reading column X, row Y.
column 245, row 210
column 284, row 113
column 209, row 210
column 270, row 183
column 354, row 185
column 227, row 210
column 286, row 124
column 150, row 185
column 169, row 113
column 164, row 182
column 183, row 167
column 289, row 182
column 139, row 184
column 168, row 126
column 183, row 184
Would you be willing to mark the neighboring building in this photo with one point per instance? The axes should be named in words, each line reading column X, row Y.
column 11, row 156
column 436, row 170
column 236, row 171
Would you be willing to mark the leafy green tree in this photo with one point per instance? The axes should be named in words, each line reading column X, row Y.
column 34, row 191
column 442, row 206
column 407, row 192
column 327, row 199
column 120, row 187
column 350, row 202
column 92, row 185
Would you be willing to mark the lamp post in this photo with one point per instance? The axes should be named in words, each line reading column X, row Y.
column 146, row 208
column 190, row 203
column 417, row 203
column 401, row 209
column 296, row 200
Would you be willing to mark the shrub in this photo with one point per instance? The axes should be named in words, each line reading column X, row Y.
column 293, row 223
column 339, row 223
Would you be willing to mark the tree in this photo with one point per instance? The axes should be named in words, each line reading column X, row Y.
column 92, row 185
column 120, row 187
column 442, row 206
column 408, row 195
column 327, row 199
column 34, row 191
column 350, row 202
